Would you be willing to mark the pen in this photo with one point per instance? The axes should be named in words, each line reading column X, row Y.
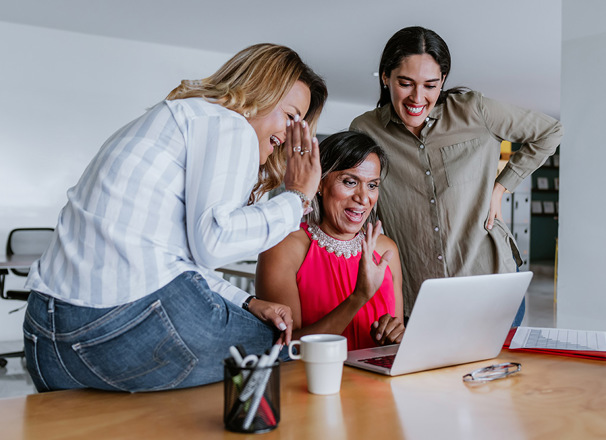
column 235, row 353
column 246, row 388
column 266, row 361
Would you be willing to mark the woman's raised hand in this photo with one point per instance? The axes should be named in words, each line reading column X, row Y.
column 371, row 273
column 303, row 170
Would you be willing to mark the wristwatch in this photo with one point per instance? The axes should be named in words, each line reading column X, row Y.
column 306, row 203
column 246, row 303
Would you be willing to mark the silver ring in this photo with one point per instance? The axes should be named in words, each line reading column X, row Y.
column 296, row 149
column 306, row 151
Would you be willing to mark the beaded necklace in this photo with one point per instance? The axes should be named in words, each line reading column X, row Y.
column 346, row 249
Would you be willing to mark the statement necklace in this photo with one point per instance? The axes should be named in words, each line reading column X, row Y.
column 346, row 249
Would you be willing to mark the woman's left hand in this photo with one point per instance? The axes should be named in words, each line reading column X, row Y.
column 495, row 205
column 303, row 169
column 370, row 272
column 275, row 314
column 387, row 330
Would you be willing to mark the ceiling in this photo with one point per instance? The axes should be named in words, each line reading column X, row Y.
column 509, row 50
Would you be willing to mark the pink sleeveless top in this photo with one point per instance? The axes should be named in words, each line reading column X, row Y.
column 325, row 280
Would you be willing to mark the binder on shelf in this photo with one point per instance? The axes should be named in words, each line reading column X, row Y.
column 556, row 160
column 542, row 183
column 549, row 207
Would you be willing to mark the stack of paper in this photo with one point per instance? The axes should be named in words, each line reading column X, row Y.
column 579, row 343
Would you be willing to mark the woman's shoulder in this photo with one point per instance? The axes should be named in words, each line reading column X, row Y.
column 461, row 102
column 192, row 108
column 371, row 117
column 463, row 97
column 385, row 243
column 293, row 248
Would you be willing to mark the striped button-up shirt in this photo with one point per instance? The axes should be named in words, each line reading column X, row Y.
column 167, row 193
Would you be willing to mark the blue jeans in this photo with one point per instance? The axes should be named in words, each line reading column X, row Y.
column 177, row 337
column 517, row 321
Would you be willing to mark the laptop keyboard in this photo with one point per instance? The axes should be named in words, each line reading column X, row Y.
column 381, row 361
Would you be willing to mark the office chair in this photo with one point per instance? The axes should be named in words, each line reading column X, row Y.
column 22, row 241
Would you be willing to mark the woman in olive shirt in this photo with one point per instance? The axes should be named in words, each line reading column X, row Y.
column 442, row 201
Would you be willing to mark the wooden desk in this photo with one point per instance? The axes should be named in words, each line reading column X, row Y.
column 553, row 397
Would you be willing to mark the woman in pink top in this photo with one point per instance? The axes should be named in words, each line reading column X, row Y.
column 338, row 273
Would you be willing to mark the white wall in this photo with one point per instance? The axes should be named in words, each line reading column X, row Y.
column 581, row 289
column 63, row 94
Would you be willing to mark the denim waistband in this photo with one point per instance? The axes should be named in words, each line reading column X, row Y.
column 44, row 312
column 61, row 320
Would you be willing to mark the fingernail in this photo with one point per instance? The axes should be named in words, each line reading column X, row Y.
column 303, row 123
column 378, row 336
column 489, row 227
column 282, row 326
column 288, row 122
column 297, row 118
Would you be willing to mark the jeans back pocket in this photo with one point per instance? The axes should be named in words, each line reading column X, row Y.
column 145, row 354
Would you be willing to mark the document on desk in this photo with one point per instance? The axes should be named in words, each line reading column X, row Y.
column 558, row 339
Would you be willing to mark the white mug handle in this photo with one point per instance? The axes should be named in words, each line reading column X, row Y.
column 290, row 347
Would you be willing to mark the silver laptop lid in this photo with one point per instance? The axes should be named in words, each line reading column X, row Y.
column 454, row 321
column 461, row 319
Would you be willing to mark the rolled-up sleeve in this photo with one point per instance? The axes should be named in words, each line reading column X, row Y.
column 538, row 133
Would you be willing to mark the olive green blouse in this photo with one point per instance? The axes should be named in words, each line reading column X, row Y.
column 435, row 200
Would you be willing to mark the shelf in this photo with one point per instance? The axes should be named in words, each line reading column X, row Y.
column 554, row 216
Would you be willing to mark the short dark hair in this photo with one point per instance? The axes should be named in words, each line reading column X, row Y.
column 342, row 151
column 413, row 40
column 348, row 149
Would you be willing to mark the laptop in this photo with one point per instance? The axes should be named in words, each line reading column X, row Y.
column 454, row 321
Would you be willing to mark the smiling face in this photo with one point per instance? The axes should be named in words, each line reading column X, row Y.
column 271, row 127
column 414, row 87
column 348, row 197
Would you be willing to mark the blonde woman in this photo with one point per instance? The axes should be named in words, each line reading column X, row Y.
column 125, row 298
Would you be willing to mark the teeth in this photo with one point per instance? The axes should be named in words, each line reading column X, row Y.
column 274, row 140
column 416, row 110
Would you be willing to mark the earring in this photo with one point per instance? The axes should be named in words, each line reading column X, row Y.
column 246, row 114
column 384, row 86
column 320, row 193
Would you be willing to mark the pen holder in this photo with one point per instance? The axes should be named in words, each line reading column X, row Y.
column 252, row 397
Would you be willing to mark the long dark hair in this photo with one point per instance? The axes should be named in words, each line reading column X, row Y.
column 342, row 151
column 414, row 40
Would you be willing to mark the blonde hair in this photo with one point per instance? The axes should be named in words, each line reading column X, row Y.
column 252, row 83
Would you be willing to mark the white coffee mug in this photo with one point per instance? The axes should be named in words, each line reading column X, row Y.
column 323, row 356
